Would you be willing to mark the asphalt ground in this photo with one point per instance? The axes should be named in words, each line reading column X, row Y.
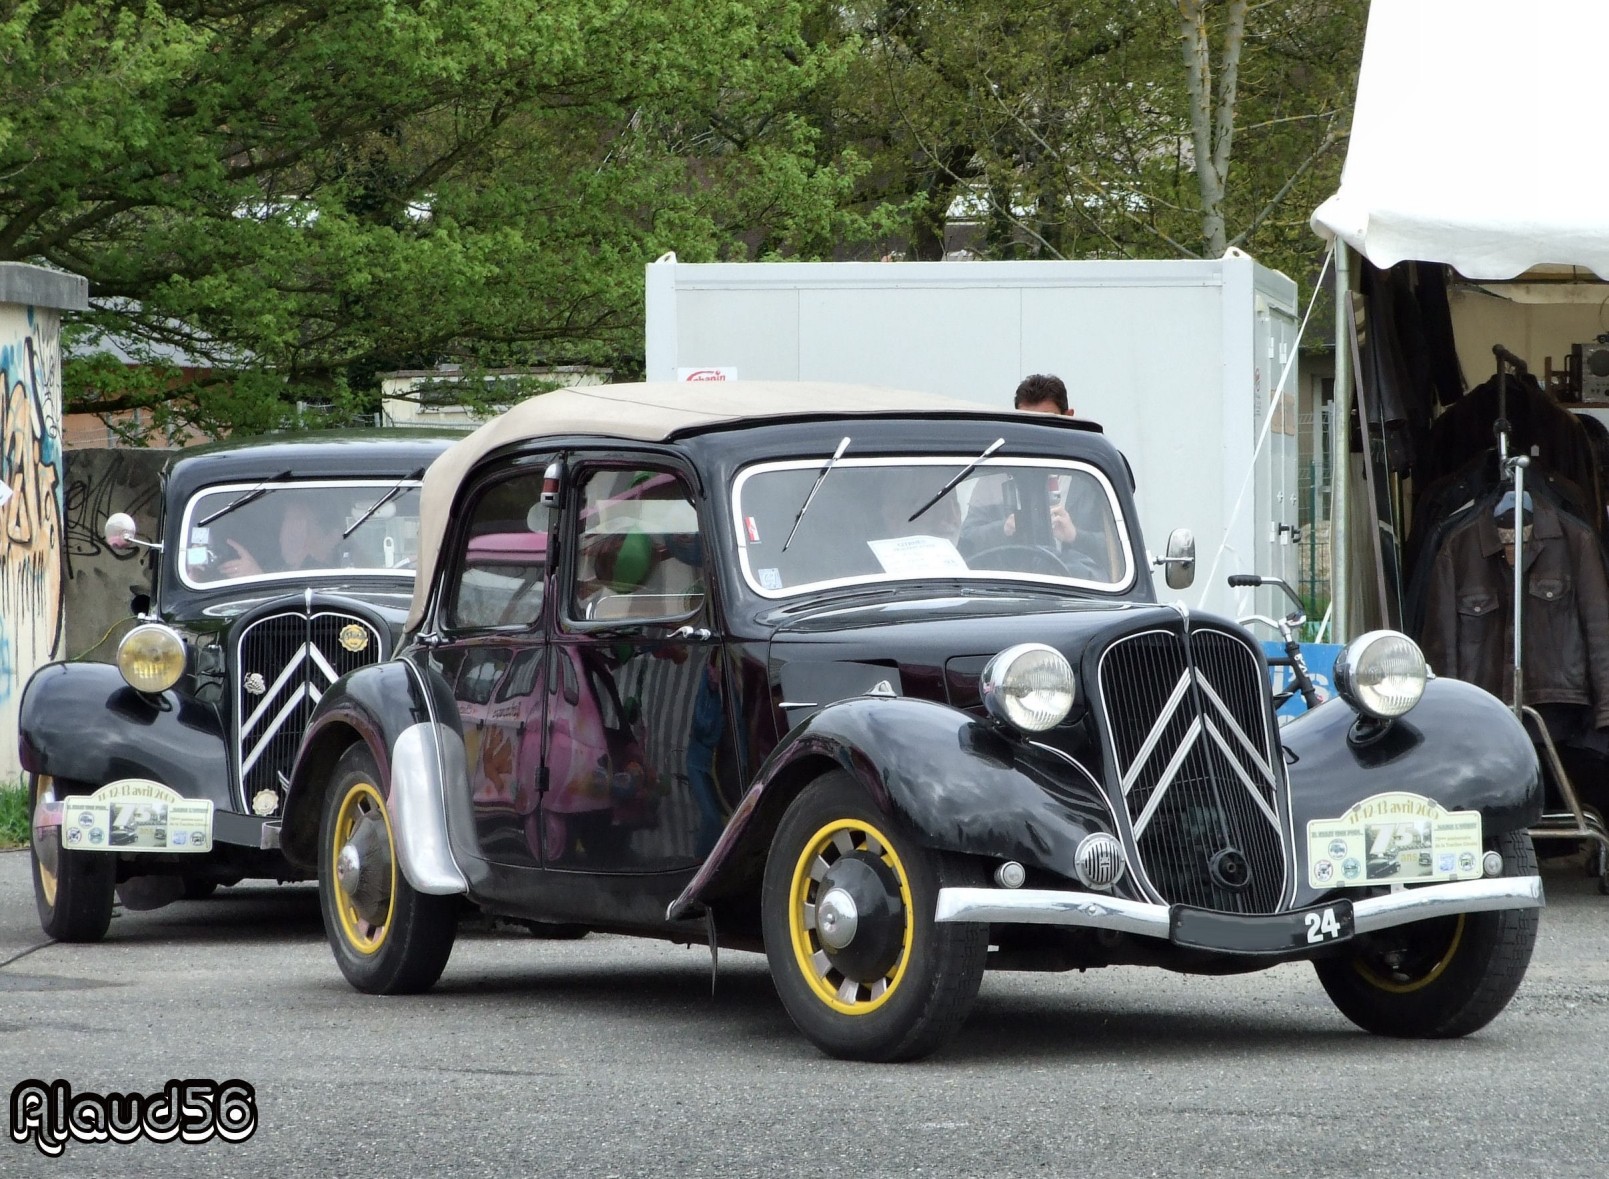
column 609, row 1057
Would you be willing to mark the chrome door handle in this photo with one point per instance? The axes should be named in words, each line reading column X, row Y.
column 698, row 633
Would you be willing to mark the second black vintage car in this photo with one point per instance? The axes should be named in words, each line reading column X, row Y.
column 878, row 684
column 278, row 565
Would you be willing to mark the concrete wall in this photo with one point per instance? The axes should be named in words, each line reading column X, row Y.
column 32, row 496
column 96, row 597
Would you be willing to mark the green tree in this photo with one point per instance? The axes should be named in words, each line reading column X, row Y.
column 302, row 194
column 1101, row 128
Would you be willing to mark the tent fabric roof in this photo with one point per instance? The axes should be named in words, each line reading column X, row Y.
column 1477, row 137
column 647, row 412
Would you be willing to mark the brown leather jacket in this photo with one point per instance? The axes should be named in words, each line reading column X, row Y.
column 1469, row 621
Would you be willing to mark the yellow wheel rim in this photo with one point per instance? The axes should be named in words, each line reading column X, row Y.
column 362, row 804
column 845, row 995
column 44, row 791
column 1397, row 986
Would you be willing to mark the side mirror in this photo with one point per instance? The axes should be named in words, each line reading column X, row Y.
column 120, row 532
column 122, row 535
column 1180, row 562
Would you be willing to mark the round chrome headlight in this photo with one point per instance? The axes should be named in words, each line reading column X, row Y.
column 1381, row 674
column 1029, row 686
column 151, row 658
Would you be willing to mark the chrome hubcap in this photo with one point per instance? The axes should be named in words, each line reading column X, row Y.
column 349, row 869
column 836, row 919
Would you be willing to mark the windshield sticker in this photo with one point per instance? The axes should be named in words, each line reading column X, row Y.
column 136, row 815
column 770, row 579
column 918, row 556
column 1396, row 838
column 752, row 528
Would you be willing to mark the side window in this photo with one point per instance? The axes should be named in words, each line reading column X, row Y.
column 639, row 556
column 503, row 562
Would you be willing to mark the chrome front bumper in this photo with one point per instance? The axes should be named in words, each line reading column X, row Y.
column 1039, row 906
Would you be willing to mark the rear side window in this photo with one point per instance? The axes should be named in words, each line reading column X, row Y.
column 503, row 558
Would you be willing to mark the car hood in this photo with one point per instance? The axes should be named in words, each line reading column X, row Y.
column 933, row 648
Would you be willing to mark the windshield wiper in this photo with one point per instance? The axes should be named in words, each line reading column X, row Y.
column 256, row 493
column 820, row 478
column 960, row 475
column 395, row 491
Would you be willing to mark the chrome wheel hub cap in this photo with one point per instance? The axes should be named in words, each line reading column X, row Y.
column 349, row 869
column 836, row 919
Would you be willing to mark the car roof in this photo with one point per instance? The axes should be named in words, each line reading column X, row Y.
column 315, row 454
column 664, row 411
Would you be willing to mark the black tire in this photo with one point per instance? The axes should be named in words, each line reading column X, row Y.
column 388, row 939
column 928, row 973
column 1442, row 978
column 197, row 888
column 75, row 899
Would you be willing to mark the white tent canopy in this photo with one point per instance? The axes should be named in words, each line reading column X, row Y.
column 1479, row 137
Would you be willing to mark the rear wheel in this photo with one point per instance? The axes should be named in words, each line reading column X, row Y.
column 1441, row 978
column 388, row 938
column 847, row 910
column 73, row 890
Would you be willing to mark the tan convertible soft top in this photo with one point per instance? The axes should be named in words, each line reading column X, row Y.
column 647, row 412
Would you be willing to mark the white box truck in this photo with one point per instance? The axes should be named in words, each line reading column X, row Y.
column 1178, row 361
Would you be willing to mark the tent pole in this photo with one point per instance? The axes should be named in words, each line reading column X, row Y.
column 1341, row 447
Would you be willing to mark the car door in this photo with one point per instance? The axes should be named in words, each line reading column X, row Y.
column 636, row 682
column 493, row 651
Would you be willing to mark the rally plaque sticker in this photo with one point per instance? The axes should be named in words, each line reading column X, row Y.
column 1395, row 838
column 136, row 815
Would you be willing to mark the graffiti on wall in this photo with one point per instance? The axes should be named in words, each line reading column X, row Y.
column 31, row 498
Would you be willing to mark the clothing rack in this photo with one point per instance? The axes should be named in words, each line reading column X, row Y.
column 1574, row 823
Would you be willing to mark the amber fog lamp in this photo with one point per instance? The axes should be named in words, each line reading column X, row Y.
column 1381, row 674
column 1029, row 686
column 151, row 658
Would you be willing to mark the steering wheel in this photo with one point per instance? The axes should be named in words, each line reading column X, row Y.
column 1039, row 559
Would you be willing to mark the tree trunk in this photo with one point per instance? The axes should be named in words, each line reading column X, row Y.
column 1212, row 123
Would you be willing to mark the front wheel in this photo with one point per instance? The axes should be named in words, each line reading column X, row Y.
column 1441, row 978
column 73, row 890
column 388, row 938
column 847, row 911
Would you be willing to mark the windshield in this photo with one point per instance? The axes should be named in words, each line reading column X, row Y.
column 1041, row 520
column 292, row 531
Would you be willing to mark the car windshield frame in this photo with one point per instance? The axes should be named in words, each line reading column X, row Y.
column 210, row 498
column 949, row 462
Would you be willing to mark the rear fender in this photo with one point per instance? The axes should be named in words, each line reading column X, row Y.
column 82, row 722
column 957, row 783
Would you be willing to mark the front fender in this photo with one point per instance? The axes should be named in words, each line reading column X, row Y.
column 956, row 782
column 399, row 712
column 83, row 723
column 1460, row 746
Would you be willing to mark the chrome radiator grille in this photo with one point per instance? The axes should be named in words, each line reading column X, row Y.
column 284, row 663
column 1194, row 762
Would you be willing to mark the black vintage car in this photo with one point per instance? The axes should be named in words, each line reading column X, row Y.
column 280, row 565
column 878, row 684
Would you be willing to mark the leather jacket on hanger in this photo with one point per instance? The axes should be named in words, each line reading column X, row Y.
column 1469, row 629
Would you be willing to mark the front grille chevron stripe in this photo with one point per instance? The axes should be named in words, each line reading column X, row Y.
column 1228, row 718
column 1164, row 715
column 1245, row 778
column 274, row 726
column 1191, row 736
